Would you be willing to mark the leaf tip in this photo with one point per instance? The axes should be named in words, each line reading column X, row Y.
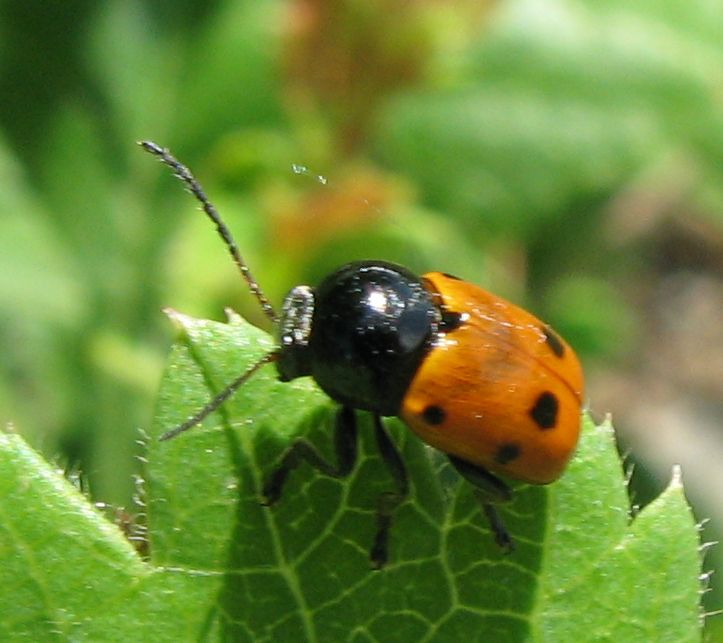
column 232, row 316
column 676, row 478
column 178, row 319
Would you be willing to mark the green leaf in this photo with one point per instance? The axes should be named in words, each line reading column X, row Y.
column 69, row 574
column 223, row 567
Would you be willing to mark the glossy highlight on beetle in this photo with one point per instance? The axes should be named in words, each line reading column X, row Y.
column 473, row 375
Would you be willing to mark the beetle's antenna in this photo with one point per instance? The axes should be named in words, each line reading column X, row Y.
column 183, row 173
column 217, row 401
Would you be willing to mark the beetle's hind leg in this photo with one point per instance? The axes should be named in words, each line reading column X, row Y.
column 489, row 491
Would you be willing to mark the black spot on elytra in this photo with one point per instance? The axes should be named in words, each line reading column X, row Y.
column 446, row 274
column 506, row 453
column 450, row 321
column 544, row 411
column 434, row 414
column 553, row 341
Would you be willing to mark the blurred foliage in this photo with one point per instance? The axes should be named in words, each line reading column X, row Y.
column 566, row 154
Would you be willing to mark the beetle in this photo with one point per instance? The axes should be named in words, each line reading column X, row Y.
column 473, row 375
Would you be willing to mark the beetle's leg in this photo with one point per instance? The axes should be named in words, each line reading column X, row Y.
column 345, row 447
column 389, row 500
column 489, row 491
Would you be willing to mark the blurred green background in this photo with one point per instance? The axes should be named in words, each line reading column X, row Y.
column 565, row 154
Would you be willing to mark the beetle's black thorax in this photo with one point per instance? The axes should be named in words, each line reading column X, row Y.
column 361, row 334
